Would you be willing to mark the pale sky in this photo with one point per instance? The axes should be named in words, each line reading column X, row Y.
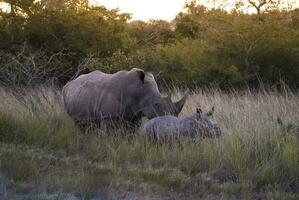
column 157, row 9
column 146, row 9
column 163, row 9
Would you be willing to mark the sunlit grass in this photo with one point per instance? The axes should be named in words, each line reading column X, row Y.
column 41, row 143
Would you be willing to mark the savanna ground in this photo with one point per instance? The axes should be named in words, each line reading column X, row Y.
column 44, row 156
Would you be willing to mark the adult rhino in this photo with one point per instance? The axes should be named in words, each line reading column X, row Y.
column 125, row 96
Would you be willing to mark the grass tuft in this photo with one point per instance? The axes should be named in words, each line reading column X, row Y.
column 41, row 144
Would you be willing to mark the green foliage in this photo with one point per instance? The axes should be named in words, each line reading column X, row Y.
column 7, row 125
column 191, row 62
column 52, row 39
column 260, row 48
column 201, row 46
column 42, row 125
column 289, row 156
column 152, row 33
column 85, row 31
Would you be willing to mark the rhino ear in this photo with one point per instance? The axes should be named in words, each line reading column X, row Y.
column 140, row 74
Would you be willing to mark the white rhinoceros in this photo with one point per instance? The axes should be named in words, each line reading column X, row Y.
column 123, row 96
column 165, row 128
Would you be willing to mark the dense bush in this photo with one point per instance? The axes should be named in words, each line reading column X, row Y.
column 200, row 46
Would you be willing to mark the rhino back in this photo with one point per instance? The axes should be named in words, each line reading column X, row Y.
column 189, row 126
column 161, row 127
column 95, row 95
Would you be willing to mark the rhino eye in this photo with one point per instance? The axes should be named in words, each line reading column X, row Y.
column 156, row 104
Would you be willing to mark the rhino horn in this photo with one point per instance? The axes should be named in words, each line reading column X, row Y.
column 180, row 104
column 169, row 96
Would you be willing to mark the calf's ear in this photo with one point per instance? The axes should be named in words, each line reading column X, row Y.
column 198, row 111
column 279, row 121
column 211, row 112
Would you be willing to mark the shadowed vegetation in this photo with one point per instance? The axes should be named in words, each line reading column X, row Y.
column 254, row 156
column 44, row 39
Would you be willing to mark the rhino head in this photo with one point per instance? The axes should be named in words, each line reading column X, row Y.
column 207, row 126
column 152, row 103
column 159, row 105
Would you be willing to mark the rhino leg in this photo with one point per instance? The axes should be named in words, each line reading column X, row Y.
column 87, row 126
column 110, row 124
column 130, row 126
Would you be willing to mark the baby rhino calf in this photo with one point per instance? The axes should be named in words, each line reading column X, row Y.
column 169, row 127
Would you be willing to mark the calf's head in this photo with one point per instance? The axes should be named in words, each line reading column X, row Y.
column 208, row 128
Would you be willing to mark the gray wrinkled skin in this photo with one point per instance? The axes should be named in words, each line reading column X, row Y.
column 123, row 96
column 165, row 127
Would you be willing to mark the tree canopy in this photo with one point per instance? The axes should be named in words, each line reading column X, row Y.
column 201, row 46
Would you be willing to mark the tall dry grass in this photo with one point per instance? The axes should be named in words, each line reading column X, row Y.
column 261, row 155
